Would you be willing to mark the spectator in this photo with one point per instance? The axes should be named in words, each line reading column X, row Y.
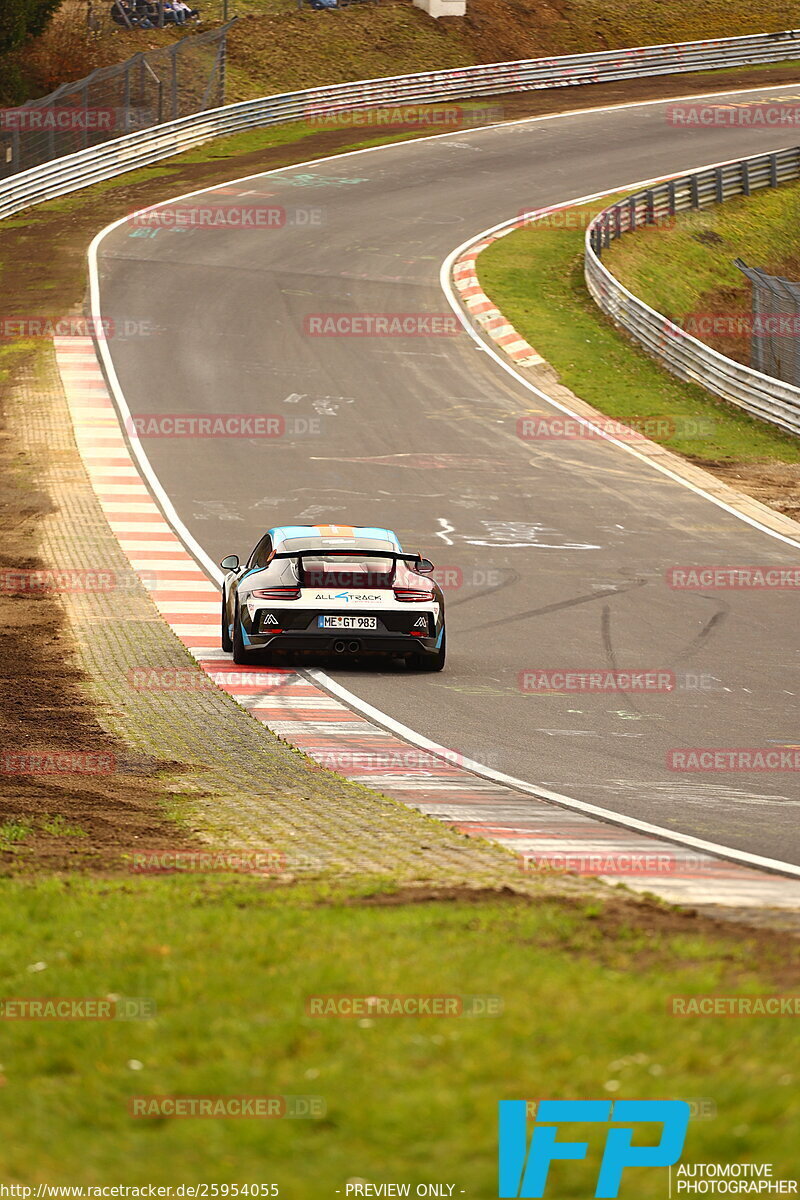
column 183, row 12
column 145, row 15
column 93, row 22
column 122, row 14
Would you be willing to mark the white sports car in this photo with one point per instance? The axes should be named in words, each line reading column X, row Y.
column 338, row 589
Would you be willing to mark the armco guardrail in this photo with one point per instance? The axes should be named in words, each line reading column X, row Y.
column 73, row 171
column 761, row 395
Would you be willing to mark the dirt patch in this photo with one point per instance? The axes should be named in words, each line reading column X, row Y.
column 631, row 929
column 424, row 894
column 97, row 798
column 776, row 484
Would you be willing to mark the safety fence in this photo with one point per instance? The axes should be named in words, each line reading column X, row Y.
column 159, row 85
column 686, row 356
column 774, row 324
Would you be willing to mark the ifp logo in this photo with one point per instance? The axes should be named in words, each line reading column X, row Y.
column 524, row 1169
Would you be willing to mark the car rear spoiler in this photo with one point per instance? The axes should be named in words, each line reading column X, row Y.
column 342, row 550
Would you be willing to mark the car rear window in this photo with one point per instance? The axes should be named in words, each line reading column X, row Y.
column 347, row 571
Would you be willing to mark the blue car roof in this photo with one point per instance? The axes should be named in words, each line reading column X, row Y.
column 283, row 533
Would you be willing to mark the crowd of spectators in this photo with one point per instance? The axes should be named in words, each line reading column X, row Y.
column 146, row 14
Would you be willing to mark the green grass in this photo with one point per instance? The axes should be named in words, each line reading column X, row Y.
column 16, row 831
column 13, row 833
column 673, row 269
column 585, row 1014
column 535, row 276
column 57, row 826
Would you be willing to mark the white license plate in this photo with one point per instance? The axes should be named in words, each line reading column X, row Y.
column 347, row 622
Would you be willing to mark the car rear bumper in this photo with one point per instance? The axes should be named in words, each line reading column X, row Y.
column 342, row 641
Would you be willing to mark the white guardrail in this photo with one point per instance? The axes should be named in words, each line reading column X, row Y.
column 134, row 150
column 760, row 395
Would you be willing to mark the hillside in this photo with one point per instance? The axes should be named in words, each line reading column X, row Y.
column 275, row 46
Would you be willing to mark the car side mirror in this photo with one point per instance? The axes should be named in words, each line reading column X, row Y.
column 424, row 566
column 230, row 563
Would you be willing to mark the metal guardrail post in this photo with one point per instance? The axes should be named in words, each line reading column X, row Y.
column 126, row 98
column 720, row 184
column 174, row 81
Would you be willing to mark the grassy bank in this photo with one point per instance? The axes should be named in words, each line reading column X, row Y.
column 277, row 47
column 407, row 1099
column 687, row 271
column 535, row 276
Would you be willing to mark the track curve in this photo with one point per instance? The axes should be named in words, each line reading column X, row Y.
column 562, row 547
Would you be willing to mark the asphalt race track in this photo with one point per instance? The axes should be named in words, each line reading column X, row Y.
column 562, row 547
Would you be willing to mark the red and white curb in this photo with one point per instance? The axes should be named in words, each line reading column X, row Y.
column 481, row 308
column 335, row 736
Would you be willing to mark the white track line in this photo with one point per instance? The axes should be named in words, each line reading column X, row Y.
column 355, row 702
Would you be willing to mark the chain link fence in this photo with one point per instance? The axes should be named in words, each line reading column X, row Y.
column 775, row 325
column 173, row 81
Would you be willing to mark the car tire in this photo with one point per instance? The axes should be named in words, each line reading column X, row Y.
column 239, row 652
column 429, row 662
column 227, row 641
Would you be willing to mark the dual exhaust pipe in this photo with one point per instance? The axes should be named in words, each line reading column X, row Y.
column 351, row 647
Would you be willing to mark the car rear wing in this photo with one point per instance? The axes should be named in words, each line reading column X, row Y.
column 349, row 551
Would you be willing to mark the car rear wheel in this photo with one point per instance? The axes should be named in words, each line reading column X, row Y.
column 227, row 642
column 429, row 662
column 239, row 652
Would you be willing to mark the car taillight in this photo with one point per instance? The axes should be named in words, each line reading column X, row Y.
column 411, row 595
column 277, row 593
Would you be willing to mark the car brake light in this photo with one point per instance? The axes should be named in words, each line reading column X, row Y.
column 411, row 595
column 277, row 593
